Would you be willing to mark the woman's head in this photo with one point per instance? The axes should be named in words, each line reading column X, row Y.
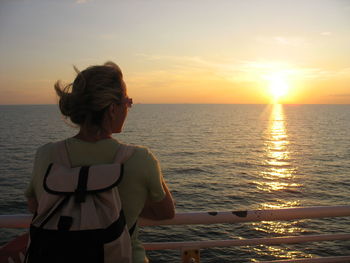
column 88, row 99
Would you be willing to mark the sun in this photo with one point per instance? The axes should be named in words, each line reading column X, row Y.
column 277, row 85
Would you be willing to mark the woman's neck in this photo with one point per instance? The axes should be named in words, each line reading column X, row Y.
column 92, row 137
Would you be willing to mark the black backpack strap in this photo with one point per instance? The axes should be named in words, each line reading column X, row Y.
column 80, row 192
column 132, row 229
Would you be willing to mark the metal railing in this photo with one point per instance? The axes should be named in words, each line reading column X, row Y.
column 190, row 250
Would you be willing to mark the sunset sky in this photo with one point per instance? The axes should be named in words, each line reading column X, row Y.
column 180, row 51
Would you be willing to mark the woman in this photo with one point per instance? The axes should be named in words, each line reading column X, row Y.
column 97, row 102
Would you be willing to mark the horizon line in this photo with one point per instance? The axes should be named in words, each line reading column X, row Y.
column 186, row 103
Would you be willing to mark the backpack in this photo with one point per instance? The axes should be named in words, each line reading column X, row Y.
column 80, row 217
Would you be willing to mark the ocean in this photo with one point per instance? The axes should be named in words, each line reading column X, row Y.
column 214, row 158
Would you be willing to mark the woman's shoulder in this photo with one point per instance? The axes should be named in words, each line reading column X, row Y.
column 45, row 149
column 45, row 153
column 49, row 147
column 141, row 154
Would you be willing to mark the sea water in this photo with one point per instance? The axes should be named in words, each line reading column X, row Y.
column 214, row 158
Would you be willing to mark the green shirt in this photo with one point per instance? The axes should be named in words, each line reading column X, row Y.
column 142, row 177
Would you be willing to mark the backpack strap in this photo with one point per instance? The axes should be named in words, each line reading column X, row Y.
column 132, row 229
column 61, row 154
column 124, row 152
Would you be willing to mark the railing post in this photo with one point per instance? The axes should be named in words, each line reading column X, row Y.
column 190, row 255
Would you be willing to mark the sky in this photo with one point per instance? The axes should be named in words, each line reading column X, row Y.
column 180, row 51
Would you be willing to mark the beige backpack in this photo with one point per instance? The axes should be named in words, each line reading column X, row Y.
column 80, row 217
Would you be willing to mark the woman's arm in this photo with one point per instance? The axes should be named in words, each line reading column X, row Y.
column 164, row 209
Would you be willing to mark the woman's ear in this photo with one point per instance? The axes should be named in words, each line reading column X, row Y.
column 112, row 110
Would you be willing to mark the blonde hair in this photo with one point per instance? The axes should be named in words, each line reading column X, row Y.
column 86, row 100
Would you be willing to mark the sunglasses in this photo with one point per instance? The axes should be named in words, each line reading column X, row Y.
column 127, row 101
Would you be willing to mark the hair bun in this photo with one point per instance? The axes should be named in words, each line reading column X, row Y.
column 84, row 101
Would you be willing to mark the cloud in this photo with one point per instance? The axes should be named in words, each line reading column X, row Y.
column 282, row 40
column 287, row 69
column 81, row 1
column 221, row 68
column 340, row 95
column 344, row 72
column 192, row 61
column 108, row 36
column 326, row 33
column 237, row 70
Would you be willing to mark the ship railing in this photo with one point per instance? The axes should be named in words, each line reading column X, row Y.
column 190, row 250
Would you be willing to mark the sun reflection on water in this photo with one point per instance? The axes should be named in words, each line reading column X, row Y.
column 279, row 171
column 277, row 179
